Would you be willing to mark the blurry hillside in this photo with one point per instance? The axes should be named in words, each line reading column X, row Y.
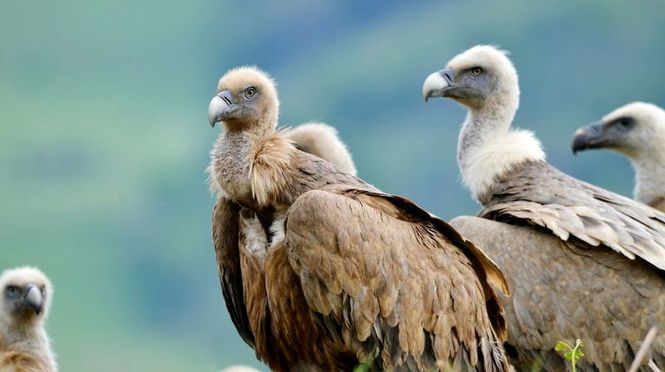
column 104, row 137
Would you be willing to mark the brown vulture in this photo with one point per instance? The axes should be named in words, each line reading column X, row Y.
column 321, row 271
column 25, row 299
column 636, row 130
column 582, row 262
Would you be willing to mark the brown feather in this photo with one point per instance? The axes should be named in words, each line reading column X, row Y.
column 345, row 273
column 391, row 264
column 225, row 230
column 538, row 194
column 568, row 290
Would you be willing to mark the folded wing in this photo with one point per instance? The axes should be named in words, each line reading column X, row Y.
column 394, row 281
column 539, row 194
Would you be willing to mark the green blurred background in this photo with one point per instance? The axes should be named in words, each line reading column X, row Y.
column 104, row 136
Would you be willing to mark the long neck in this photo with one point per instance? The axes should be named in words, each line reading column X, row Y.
column 649, row 176
column 479, row 126
column 488, row 122
column 488, row 148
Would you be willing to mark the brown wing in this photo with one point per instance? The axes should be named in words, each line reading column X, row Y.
column 225, row 237
column 562, row 291
column 391, row 283
column 538, row 194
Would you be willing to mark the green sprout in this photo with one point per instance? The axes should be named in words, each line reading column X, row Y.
column 572, row 354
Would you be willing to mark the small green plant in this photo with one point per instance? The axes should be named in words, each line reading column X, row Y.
column 572, row 354
column 365, row 365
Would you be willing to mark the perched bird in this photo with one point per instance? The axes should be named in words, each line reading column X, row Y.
column 315, row 138
column 636, row 130
column 25, row 299
column 322, row 271
column 582, row 262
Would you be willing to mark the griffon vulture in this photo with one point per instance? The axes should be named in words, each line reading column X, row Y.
column 322, row 271
column 636, row 130
column 24, row 304
column 582, row 262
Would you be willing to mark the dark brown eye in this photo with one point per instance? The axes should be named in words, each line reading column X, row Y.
column 250, row 92
column 476, row 71
column 626, row 122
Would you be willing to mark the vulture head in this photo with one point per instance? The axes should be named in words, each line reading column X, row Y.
column 634, row 129
column 25, row 297
column 246, row 99
column 481, row 78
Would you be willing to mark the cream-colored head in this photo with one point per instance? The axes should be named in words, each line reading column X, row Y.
column 481, row 78
column 485, row 81
column 246, row 100
column 25, row 297
column 636, row 130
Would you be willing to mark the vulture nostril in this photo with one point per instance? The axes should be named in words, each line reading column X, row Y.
column 447, row 77
column 227, row 100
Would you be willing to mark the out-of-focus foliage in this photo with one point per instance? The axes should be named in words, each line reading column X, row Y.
column 104, row 138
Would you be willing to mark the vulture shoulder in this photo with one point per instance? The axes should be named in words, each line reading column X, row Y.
column 323, row 141
column 562, row 290
column 536, row 193
column 392, row 281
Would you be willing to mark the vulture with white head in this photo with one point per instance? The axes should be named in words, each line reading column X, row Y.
column 25, row 299
column 582, row 262
column 636, row 130
column 321, row 271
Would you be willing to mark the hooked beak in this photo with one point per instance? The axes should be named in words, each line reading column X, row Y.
column 589, row 137
column 34, row 299
column 438, row 83
column 220, row 107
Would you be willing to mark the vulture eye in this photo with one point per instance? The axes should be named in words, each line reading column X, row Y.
column 476, row 71
column 250, row 92
column 625, row 122
column 12, row 291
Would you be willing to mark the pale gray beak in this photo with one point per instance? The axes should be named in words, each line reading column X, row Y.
column 220, row 106
column 436, row 83
column 34, row 299
column 589, row 137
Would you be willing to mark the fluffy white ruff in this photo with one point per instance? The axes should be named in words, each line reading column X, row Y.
column 497, row 156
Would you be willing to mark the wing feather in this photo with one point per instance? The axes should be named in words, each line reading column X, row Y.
column 539, row 194
column 395, row 282
column 225, row 237
column 564, row 290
